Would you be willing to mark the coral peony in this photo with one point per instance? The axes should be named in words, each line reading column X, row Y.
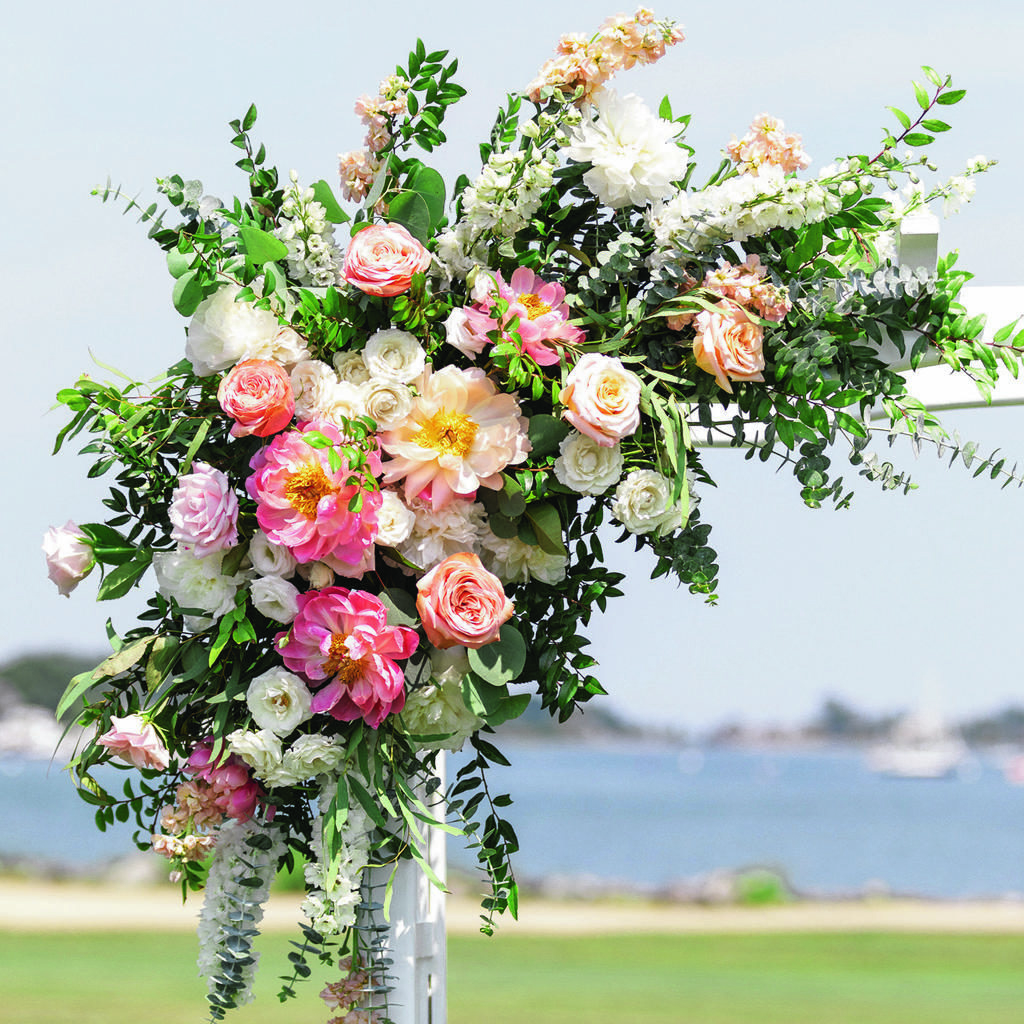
column 341, row 637
column 134, row 740
column 460, row 602
column 257, row 395
column 382, row 259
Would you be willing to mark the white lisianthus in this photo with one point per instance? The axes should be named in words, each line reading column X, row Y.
column 312, row 755
column 318, row 574
column 278, row 701
column 634, row 156
column 394, row 520
column 642, row 502
column 394, row 355
column 261, row 751
column 388, row 402
column 351, row 368
column 270, row 559
column 313, row 384
column 513, row 561
column 223, row 332
column 196, row 583
column 276, row 598
column 586, row 466
column 438, row 708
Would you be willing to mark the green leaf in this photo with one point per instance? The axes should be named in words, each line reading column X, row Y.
column 187, row 293
column 547, row 527
column 118, row 582
column 480, row 697
column 161, row 658
column 922, row 96
column 511, row 707
column 411, row 211
column 932, row 124
column 332, row 210
column 179, row 263
column 186, row 462
column 947, row 99
column 250, row 118
column 900, row 116
column 401, row 606
column 108, row 546
column 502, row 661
column 260, row 246
column 919, row 139
column 546, row 433
column 429, row 185
column 76, row 688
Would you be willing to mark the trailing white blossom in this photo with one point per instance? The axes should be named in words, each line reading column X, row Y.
column 313, row 258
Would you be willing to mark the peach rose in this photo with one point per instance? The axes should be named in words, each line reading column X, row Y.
column 382, row 259
column 602, row 399
column 460, row 602
column 257, row 395
column 134, row 740
column 728, row 345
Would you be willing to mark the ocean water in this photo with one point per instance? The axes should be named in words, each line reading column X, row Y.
column 648, row 816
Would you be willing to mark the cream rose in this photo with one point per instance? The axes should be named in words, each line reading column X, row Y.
column 587, row 466
column 395, row 520
column 642, row 502
column 602, row 398
column 389, row 403
column 394, row 355
column 276, row 598
column 278, row 701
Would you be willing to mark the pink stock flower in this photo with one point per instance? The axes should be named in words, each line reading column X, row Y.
column 303, row 504
column 257, row 395
column 460, row 602
column 134, row 740
column 544, row 328
column 382, row 259
column 728, row 345
column 204, row 511
column 69, row 556
column 341, row 636
column 462, row 432
column 602, row 399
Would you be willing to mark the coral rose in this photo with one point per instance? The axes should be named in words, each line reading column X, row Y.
column 134, row 740
column 602, row 399
column 728, row 345
column 460, row 602
column 382, row 259
column 257, row 395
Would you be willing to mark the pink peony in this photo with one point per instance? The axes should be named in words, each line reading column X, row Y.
column 204, row 511
column 602, row 399
column 69, row 556
column 257, row 395
column 134, row 740
column 728, row 345
column 382, row 259
column 462, row 432
column 342, row 636
column 543, row 329
column 460, row 602
column 302, row 503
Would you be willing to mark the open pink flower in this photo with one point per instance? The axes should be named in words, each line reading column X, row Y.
column 257, row 395
column 134, row 740
column 462, row 432
column 460, row 602
column 341, row 636
column 204, row 511
column 544, row 327
column 382, row 259
column 302, row 503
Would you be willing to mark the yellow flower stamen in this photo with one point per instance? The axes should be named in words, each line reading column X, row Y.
column 339, row 664
column 535, row 305
column 447, row 432
column 306, row 488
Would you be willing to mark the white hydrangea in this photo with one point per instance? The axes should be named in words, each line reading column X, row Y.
column 279, row 701
column 223, row 332
column 268, row 558
column 642, row 503
column 394, row 355
column 438, row 709
column 276, row 598
column 438, row 533
column 513, row 561
column 633, row 152
column 586, row 466
column 197, row 583
column 395, row 521
column 388, row 402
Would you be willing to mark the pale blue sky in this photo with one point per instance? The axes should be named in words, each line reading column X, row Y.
column 899, row 599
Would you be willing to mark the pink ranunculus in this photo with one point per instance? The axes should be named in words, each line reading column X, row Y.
column 340, row 641
column 602, row 399
column 204, row 511
column 232, row 789
column 69, row 556
column 382, row 259
column 728, row 345
column 460, row 602
column 134, row 740
column 302, row 503
column 257, row 395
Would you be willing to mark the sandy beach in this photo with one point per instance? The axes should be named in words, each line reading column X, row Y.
column 33, row 905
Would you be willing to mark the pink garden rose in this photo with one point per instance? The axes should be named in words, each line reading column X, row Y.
column 460, row 602
column 602, row 399
column 257, row 395
column 302, row 503
column 382, row 259
column 134, row 740
column 69, row 556
column 234, row 791
column 341, row 637
column 204, row 511
column 728, row 345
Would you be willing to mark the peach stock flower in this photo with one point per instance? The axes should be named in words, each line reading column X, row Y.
column 602, row 399
column 728, row 345
column 460, row 602
column 382, row 259
column 257, row 395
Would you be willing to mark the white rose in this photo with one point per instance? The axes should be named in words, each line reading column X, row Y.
column 641, row 502
column 441, row 532
column 289, row 348
column 196, row 583
column 268, row 558
column 394, row 355
column 313, row 755
column 346, row 401
column 223, row 332
column 438, row 708
column 586, row 466
column 388, row 403
column 513, row 561
column 351, row 368
column 276, row 598
column 313, row 384
column 394, row 520
column 278, row 701
column 261, row 751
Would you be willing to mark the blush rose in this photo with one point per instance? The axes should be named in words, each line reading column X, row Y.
column 382, row 259
column 460, row 602
column 728, row 345
column 602, row 399
column 134, row 740
column 257, row 395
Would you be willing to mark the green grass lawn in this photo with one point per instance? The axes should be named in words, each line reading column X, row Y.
column 98, row 978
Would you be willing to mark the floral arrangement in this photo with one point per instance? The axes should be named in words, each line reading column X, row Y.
column 371, row 493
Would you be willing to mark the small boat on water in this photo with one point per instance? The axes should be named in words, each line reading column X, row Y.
column 921, row 746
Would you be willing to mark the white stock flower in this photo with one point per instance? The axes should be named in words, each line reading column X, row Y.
column 278, row 701
column 312, row 755
column 586, row 466
column 275, row 597
column 268, row 558
column 438, row 708
column 514, row 561
column 395, row 521
column 388, row 402
column 196, row 583
column 223, row 332
column 351, row 368
column 634, row 157
column 395, row 356
column 642, row 502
